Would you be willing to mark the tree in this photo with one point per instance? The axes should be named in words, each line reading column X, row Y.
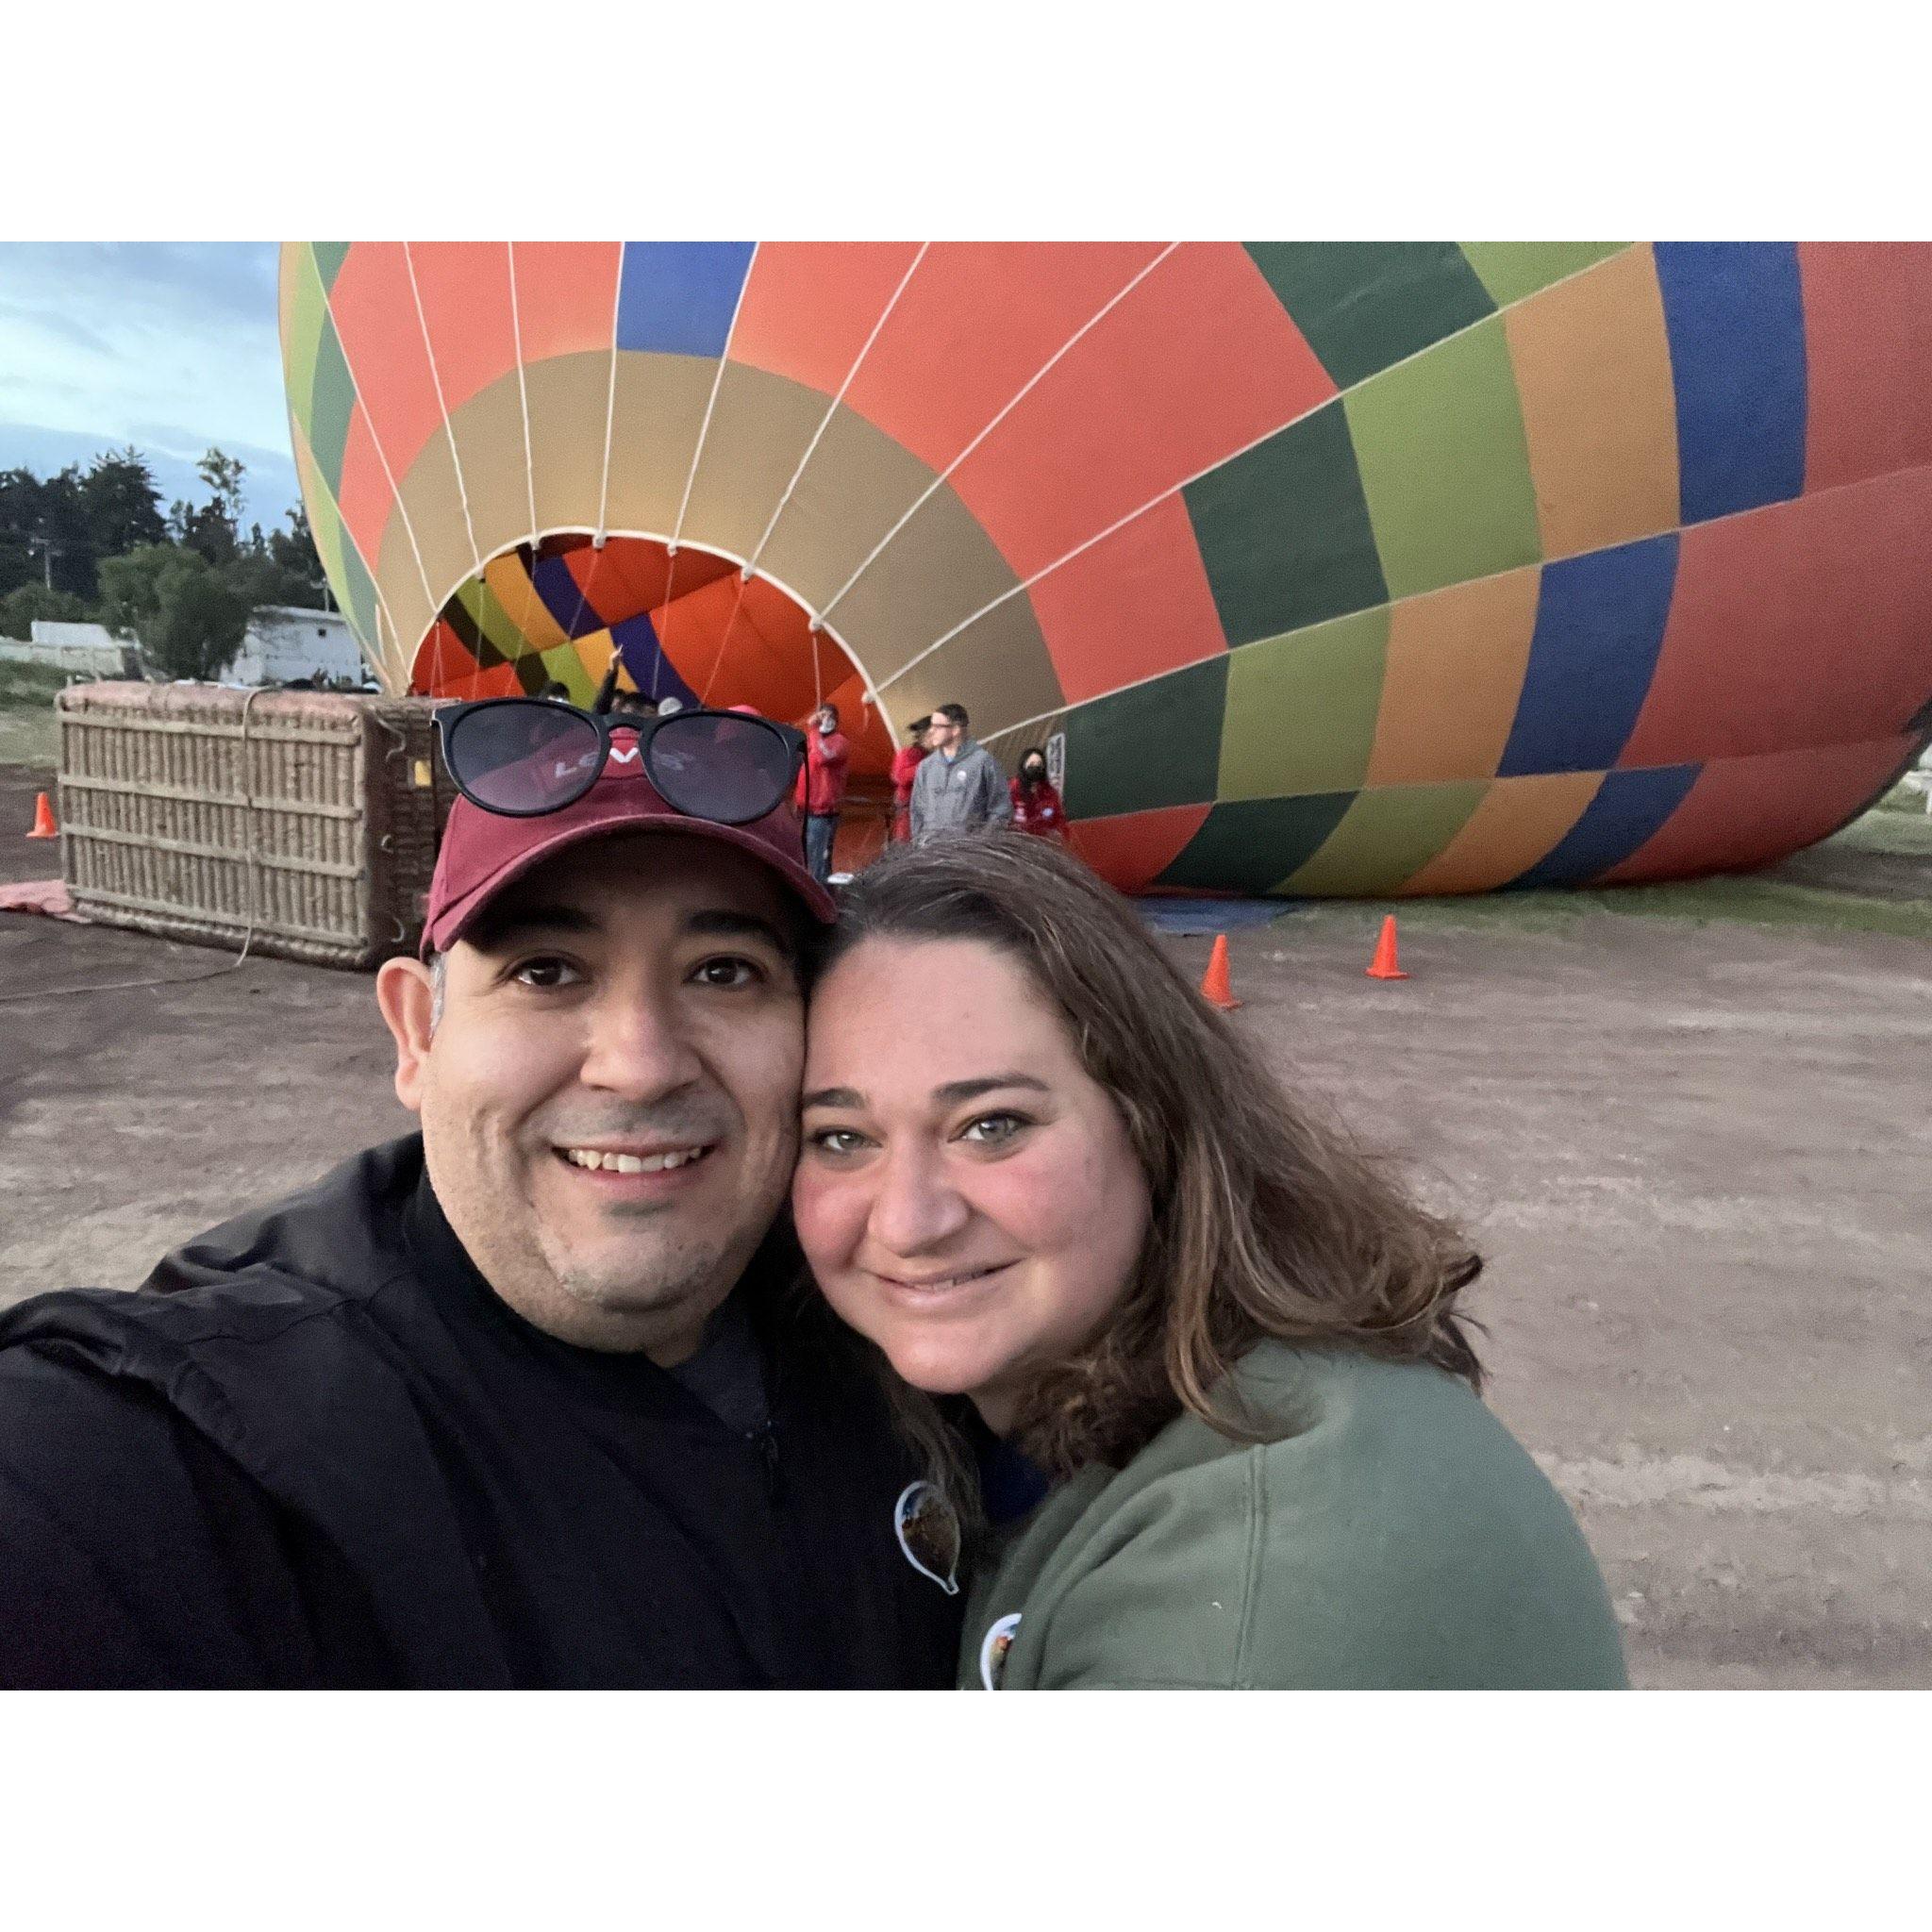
column 43, row 535
column 22, row 607
column 130, row 588
column 189, row 619
column 186, row 584
column 222, row 475
column 121, row 506
column 201, row 527
column 20, row 508
column 278, row 568
column 214, row 528
column 55, row 532
column 202, row 624
column 293, row 549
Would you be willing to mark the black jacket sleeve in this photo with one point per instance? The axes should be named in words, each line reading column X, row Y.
column 134, row 1555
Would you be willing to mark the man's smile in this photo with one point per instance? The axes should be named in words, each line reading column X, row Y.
column 628, row 1161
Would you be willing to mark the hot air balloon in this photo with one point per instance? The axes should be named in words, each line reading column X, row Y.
column 1319, row 568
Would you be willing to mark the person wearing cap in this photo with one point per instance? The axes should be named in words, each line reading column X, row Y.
column 906, row 763
column 822, row 788
column 529, row 1397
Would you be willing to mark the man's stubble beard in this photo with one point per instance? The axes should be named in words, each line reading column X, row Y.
column 679, row 1264
column 682, row 1272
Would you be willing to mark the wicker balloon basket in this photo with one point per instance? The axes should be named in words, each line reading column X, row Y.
column 303, row 821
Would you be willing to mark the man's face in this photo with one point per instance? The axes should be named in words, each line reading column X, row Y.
column 827, row 721
column 609, row 1099
column 944, row 734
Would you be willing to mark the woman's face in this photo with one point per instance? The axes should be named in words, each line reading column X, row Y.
column 1033, row 769
column 966, row 1192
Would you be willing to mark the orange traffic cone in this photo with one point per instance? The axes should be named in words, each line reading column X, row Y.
column 1215, row 989
column 44, row 826
column 1383, row 965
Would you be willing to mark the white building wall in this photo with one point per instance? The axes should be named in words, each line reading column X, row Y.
column 85, row 650
column 284, row 644
column 281, row 644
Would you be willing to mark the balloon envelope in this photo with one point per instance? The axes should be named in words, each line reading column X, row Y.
column 1321, row 568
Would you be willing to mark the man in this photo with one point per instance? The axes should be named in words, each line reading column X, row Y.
column 526, row 1398
column 822, row 788
column 960, row 787
column 906, row 763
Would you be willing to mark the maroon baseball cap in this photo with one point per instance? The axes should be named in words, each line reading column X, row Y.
column 485, row 851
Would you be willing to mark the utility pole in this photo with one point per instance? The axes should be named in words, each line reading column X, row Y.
column 47, row 548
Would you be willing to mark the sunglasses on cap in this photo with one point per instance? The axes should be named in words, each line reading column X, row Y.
column 521, row 757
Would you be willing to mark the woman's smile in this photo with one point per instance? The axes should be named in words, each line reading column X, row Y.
column 927, row 1290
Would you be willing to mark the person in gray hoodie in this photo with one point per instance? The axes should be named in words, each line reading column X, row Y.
column 959, row 786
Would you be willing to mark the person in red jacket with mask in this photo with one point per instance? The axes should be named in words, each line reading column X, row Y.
column 1037, row 806
column 904, row 768
column 822, row 788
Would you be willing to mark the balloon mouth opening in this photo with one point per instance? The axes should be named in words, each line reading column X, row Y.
column 684, row 625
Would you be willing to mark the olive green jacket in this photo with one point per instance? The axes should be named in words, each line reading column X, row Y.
column 1392, row 1536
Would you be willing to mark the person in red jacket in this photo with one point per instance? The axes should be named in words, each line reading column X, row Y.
column 904, row 768
column 1037, row 806
column 822, row 782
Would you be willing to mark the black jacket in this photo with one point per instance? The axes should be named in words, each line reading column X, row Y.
column 315, row 1448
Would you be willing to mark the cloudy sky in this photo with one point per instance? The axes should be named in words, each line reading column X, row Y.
column 170, row 347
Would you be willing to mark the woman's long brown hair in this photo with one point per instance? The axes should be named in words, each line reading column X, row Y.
column 1266, row 1220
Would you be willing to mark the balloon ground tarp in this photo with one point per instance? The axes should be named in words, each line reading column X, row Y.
column 1321, row 568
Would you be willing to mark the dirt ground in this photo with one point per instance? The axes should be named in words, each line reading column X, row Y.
column 1697, row 1153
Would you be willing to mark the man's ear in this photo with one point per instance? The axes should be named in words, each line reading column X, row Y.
column 403, row 992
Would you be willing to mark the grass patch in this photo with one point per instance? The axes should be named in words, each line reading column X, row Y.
column 1702, row 901
column 1896, row 834
column 1903, row 797
column 25, row 685
column 1779, row 902
column 29, row 733
column 27, row 740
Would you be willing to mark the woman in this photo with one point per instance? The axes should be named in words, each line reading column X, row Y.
column 1040, row 1174
column 1037, row 806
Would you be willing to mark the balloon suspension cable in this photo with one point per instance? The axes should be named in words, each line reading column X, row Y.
column 661, row 633
column 577, row 616
column 610, row 400
column 516, row 327
column 529, row 588
column 725, row 643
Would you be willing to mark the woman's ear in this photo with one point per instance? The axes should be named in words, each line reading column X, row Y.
column 405, row 992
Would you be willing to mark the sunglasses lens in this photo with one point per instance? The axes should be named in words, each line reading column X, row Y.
column 522, row 758
column 730, row 770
